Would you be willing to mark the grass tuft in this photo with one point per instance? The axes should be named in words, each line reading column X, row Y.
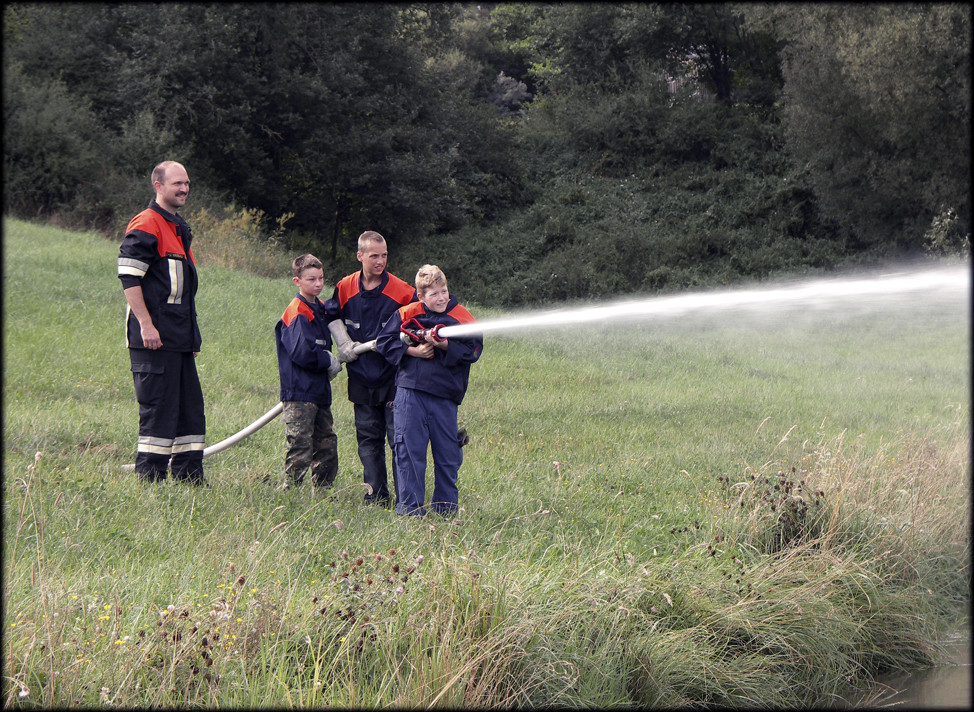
column 616, row 544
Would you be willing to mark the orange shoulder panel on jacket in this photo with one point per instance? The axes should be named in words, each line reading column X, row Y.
column 462, row 315
column 399, row 290
column 167, row 241
column 293, row 309
column 411, row 310
column 348, row 288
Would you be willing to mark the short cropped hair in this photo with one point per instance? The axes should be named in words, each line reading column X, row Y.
column 304, row 262
column 159, row 172
column 429, row 276
column 367, row 237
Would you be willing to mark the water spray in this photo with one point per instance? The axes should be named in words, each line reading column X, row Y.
column 821, row 294
column 824, row 293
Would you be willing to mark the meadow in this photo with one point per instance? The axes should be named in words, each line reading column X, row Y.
column 739, row 512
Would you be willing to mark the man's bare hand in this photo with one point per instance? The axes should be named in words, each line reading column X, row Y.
column 136, row 302
column 150, row 336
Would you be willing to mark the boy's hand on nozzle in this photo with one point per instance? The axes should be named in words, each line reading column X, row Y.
column 424, row 350
column 436, row 340
column 336, row 366
column 433, row 335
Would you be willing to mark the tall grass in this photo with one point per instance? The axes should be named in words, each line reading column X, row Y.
column 240, row 239
column 689, row 514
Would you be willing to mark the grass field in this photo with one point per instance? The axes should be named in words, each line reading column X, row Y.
column 752, row 511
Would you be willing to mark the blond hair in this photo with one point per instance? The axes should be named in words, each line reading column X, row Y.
column 429, row 276
column 369, row 236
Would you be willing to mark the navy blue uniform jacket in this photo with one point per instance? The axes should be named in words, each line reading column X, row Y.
column 155, row 255
column 447, row 374
column 303, row 343
column 364, row 313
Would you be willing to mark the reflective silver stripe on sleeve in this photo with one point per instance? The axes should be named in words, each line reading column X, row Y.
column 353, row 324
column 129, row 266
column 322, row 343
column 175, row 282
column 188, row 443
column 156, row 446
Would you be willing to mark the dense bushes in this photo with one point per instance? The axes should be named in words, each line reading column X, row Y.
column 50, row 147
column 877, row 104
column 536, row 152
column 62, row 163
column 609, row 243
column 634, row 226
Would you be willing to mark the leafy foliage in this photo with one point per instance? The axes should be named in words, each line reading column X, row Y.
column 945, row 237
column 548, row 151
column 50, row 145
column 878, row 106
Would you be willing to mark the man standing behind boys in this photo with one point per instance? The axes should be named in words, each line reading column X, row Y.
column 431, row 381
column 307, row 367
column 362, row 304
column 158, row 275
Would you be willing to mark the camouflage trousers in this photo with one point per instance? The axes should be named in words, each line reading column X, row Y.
column 311, row 442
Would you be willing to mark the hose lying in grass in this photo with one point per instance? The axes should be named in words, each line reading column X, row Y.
column 257, row 424
column 236, row 437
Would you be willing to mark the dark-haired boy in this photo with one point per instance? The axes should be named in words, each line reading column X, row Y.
column 306, row 367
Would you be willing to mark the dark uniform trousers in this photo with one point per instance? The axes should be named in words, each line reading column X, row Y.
column 172, row 424
column 373, row 429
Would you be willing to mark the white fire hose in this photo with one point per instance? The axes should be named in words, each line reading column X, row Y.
column 261, row 421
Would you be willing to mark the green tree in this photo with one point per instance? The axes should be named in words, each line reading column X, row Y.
column 717, row 45
column 324, row 111
column 50, row 147
column 877, row 99
column 344, row 115
column 82, row 45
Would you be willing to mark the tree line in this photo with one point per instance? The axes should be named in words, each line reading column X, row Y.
column 541, row 151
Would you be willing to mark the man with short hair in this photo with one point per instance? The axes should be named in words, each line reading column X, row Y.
column 159, row 279
column 361, row 305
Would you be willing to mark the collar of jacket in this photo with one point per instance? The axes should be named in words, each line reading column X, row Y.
column 171, row 217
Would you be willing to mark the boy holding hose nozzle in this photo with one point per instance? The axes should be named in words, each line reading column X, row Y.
column 431, row 380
